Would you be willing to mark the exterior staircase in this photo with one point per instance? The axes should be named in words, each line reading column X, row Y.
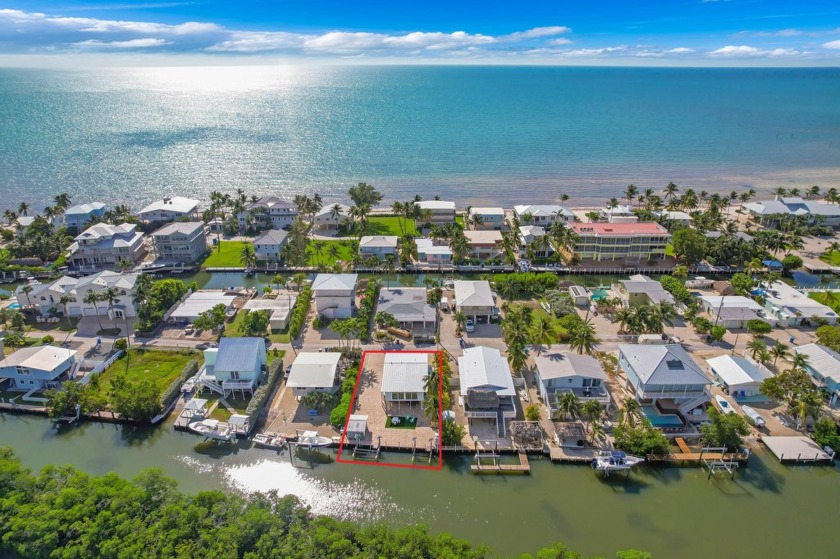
column 693, row 403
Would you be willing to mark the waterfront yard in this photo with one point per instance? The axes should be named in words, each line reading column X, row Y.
column 162, row 367
column 237, row 402
column 832, row 258
column 328, row 252
column 276, row 336
column 226, row 255
column 828, row 298
column 384, row 225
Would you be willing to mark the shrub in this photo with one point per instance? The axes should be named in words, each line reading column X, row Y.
column 262, row 393
column 121, row 344
column 829, row 336
column 759, row 327
column 640, row 440
column 725, row 430
column 676, row 288
column 791, row 262
column 717, row 333
column 519, row 284
column 532, row 412
column 174, row 387
column 137, row 400
column 300, row 311
column 319, row 400
column 47, row 340
column 452, row 433
column 825, row 433
column 366, row 309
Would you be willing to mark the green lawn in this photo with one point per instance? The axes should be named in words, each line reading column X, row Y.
column 404, row 423
column 559, row 330
column 345, row 253
column 60, row 326
column 162, row 367
column 227, row 257
column 830, row 299
column 232, row 331
column 237, row 402
column 832, row 258
column 459, row 219
column 385, row 225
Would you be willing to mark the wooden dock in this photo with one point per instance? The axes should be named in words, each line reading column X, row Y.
column 524, row 467
column 572, row 455
column 686, row 454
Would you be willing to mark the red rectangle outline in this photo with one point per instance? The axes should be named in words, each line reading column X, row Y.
column 440, row 413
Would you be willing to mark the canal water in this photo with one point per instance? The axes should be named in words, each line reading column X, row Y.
column 769, row 510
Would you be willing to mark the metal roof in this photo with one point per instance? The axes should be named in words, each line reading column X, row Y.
column 735, row 370
column 272, row 237
column 379, row 241
column 314, row 369
column 334, row 282
column 406, row 304
column 484, row 367
column 566, row 364
column 821, row 359
column 201, row 301
column 41, row 358
column 405, row 372
column 663, row 364
column 239, row 354
column 182, row 227
column 473, row 294
column 177, row 204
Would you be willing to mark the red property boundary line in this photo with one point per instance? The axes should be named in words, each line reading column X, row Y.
column 353, row 404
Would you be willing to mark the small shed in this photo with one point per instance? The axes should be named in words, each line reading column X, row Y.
column 357, row 427
column 579, row 295
column 241, row 424
column 194, row 407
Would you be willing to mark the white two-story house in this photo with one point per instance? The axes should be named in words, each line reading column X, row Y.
column 268, row 245
column 104, row 246
column 335, row 294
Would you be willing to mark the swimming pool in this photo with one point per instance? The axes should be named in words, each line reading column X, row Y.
column 599, row 294
column 659, row 420
column 14, row 306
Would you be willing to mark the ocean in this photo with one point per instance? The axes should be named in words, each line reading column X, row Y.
column 479, row 135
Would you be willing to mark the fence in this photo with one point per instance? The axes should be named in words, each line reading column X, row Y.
column 102, row 366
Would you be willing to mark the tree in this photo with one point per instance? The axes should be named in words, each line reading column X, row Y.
column 364, row 195
column 582, row 337
column 758, row 327
column 829, row 336
column 211, row 319
column 385, row 320
column 460, row 319
column 756, row 345
column 724, row 429
column 254, row 323
column 27, row 289
column 779, row 350
column 631, row 414
column 791, row 262
column 532, row 412
column 717, row 333
column 640, row 440
column 825, row 433
column 92, row 298
column 543, row 334
column 138, row 400
column 248, row 257
column 742, row 284
column 592, row 412
column 794, row 388
column 452, row 434
column 567, row 405
column 689, row 245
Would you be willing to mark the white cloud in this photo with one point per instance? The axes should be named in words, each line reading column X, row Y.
column 560, row 41
column 680, row 50
column 831, row 45
column 37, row 21
column 744, row 51
column 130, row 44
column 537, row 33
column 779, row 33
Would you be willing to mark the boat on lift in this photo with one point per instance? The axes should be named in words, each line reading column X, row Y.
column 614, row 461
column 312, row 439
column 269, row 440
column 213, row 429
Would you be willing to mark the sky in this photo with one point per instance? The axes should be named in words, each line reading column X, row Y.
column 650, row 32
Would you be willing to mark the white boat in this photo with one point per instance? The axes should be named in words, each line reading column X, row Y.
column 213, row 429
column 312, row 439
column 724, row 405
column 269, row 440
column 752, row 414
column 614, row 461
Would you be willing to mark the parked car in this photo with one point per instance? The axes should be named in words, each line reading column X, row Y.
column 206, row 345
column 470, row 325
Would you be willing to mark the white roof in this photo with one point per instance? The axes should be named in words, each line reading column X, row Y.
column 405, row 372
column 483, row 237
column 822, row 359
column 183, row 227
column 663, row 364
column 735, row 370
column 484, row 367
column 473, row 294
column 427, row 246
column 314, row 369
column 107, row 278
column 796, row 303
column 272, row 237
column 177, row 204
column 487, row 211
column 436, row 205
column 675, row 215
column 730, row 301
column 406, row 304
column 201, row 301
column 279, row 307
column 106, row 230
column 84, row 209
column 531, row 231
column 326, row 211
column 42, row 358
column 378, row 241
column 335, row 282
column 542, row 210
column 568, row 364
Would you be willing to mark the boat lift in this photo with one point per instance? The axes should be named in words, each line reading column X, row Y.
column 719, row 465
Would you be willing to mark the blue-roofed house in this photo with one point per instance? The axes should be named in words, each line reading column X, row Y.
column 235, row 365
column 664, row 377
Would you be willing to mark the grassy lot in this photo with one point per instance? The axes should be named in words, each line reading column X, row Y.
column 60, row 326
column 162, row 367
column 832, row 258
column 232, row 331
column 227, row 257
column 828, row 298
column 404, row 423
column 559, row 330
column 459, row 219
column 384, row 225
column 345, row 253
column 237, row 402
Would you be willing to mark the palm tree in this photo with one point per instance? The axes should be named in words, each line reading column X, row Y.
column 248, row 257
column 62, row 201
column 279, row 281
column 592, row 412
column 809, row 403
column 779, row 350
column 567, row 405
column 583, row 339
column 111, row 295
column 63, row 301
column 543, row 334
column 92, row 298
column 623, row 316
column 756, row 345
column 460, row 320
column 23, row 208
column 630, row 193
column 763, row 356
column 27, row 289
column 632, row 411
column 799, row 361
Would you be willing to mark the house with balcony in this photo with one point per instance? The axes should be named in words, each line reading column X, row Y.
column 169, row 209
column 433, row 254
column 408, row 305
column 269, row 212
column 37, row 368
column 618, row 214
column 666, row 381
column 269, row 244
column 543, row 215
column 487, row 393
column 404, row 378
column 104, row 246
column 181, row 241
column 484, row 245
column 441, row 212
column 314, row 371
column 45, row 298
column 234, row 366
column 77, row 217
column 335, row 294
column 768, row 212
column 791, row 307
column 379, row 246
column 474, row 298
column 487, row 218
column 561, row 372
column 824, row 366
column 331, row 217
column 534, row 236
column 631, row 242
column 641, row 290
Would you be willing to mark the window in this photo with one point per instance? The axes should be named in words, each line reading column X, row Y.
column 23, row 371
column 234, row 375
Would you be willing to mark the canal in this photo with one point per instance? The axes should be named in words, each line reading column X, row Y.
column 769, row 510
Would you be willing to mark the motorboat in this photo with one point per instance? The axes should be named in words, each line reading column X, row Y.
column 614, row 461
column 752, row 414
column 213, row 429
column 724, row 405
column 312, row 439
column 269, row 440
